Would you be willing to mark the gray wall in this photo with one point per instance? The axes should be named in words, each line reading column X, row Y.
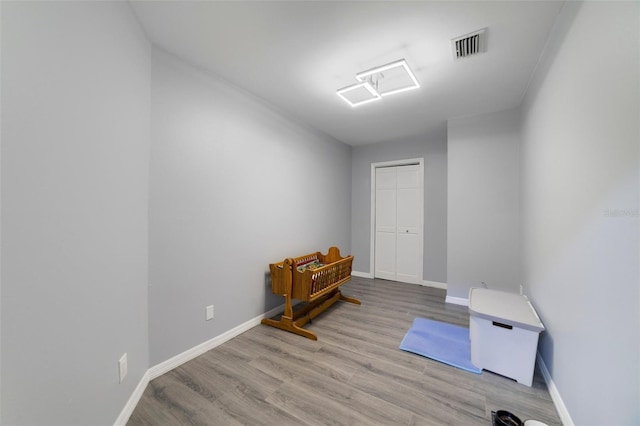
column 580, row 218
column 433, row 147
column 234, row 186
column 75, row 155
column 483, row 203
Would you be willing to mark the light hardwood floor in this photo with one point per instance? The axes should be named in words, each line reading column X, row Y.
column 353, row 375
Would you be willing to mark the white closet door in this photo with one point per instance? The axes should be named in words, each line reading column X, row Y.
column 408, row 224
column 397, row 245
column 385, row 250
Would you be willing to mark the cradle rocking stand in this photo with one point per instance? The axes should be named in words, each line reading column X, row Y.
column 314, row 278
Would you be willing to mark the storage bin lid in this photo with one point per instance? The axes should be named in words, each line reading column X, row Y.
column 507, row 308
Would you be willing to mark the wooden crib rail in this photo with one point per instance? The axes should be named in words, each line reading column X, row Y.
column 322, row 280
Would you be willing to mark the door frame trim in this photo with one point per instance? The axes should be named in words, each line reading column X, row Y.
column 372, row 236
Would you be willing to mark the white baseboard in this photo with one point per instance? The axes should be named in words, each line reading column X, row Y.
column 555, row 395
column 361, row 274
column 168, row 365
column 457, row 300
column 434, row 284
column 131, row 404
column 425, row 283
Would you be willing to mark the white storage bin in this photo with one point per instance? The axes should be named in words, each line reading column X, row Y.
column 504, row 330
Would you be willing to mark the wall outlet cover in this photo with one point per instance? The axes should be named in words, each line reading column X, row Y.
column 209, row 312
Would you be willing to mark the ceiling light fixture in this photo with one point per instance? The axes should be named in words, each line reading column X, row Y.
column 359, row 94
column 389, row 79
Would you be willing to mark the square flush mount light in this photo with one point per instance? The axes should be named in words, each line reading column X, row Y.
column 389, row 79
column 358, row 94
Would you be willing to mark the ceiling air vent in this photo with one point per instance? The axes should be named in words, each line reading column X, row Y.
column 469, row 44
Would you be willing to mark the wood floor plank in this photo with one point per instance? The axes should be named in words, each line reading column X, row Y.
column 445, row 392
column 423, row 405
column 248, row 410
column 168, row 401
column 290, row 366
column 238, row 378
column 310, row 360
column 373, row 408
column 353, row 374
column 314, row 408
column 366, row 342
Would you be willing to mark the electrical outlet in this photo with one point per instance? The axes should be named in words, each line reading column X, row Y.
column 209, row 312
column 521, row 290
column 122, row 367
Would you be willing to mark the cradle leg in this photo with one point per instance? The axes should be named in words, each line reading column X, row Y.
column 289, row 325
column 349, row 299
column 286, row 321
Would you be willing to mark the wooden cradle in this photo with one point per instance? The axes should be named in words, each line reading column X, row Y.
column 318, row 286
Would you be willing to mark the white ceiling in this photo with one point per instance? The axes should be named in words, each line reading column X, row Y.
column 296, row 54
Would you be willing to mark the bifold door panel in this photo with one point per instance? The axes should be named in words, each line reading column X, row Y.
column 397, row 223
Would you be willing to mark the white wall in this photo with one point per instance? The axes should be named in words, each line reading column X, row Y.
column 433, row 148
column 75, row 155
column 234, row 186
column 580, row 218
column 483, row 203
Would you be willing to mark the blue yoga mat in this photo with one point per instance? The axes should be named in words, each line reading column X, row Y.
column 440, row 341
